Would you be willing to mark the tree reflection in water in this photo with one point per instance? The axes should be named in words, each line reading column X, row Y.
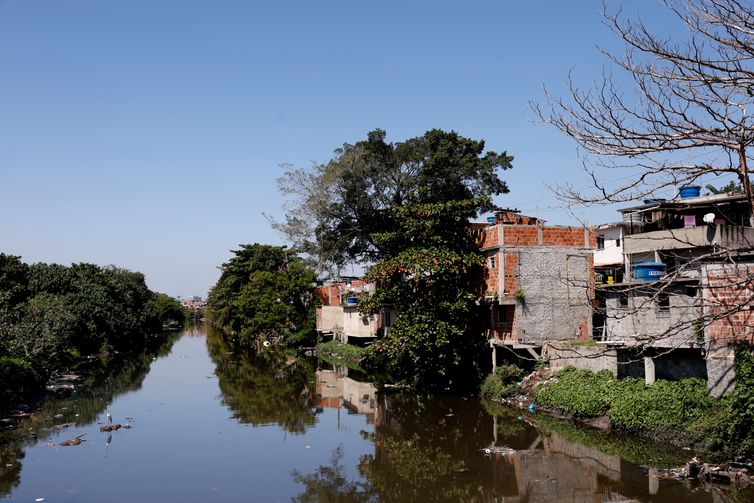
column 266, row 387
column 103, row 379
column 433, row 449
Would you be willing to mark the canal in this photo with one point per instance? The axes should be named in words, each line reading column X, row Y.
column 204, row 424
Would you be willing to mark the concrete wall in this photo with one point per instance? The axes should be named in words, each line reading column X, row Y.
column 330, row 319
column 582, row 357
column 612, row 253
column 643, row 321
column 556, row 284
column 356, row 325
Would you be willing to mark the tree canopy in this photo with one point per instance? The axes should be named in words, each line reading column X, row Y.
column 403, row 209
column 50, row 313
column 346, row 210
column 264, row 292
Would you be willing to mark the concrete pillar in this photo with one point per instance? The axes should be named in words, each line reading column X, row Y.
column 654, row 481
column 721, row 374
column 494, row 356
column 649, row 370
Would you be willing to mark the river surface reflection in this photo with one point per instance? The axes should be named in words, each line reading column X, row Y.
column 212, row 425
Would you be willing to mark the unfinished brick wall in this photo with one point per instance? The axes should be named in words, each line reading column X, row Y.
column 503, row 323
column 521, row 235
column 489, row 237
column 564, row 236
column 512, row 217
column 329, row 294
column 510, row 282
column 729, row 300
column 491, row 275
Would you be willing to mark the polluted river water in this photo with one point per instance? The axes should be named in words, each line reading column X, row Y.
column 205, row 424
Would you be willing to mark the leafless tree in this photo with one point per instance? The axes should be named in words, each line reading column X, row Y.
column 690, row 114
column 688, row 117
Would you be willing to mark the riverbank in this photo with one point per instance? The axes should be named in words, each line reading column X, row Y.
column 52, row 315
column 677, row 413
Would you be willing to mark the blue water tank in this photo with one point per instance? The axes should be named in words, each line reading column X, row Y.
column 649, row 271
column 690, row 191
column 491, row 220
column 352, row 301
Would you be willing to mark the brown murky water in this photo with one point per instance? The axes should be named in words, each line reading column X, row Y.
column 210, row 425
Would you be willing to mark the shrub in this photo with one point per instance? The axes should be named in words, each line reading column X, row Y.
column 17, row 378
column 502, row 382
column 735, row 432
column 579, row 392
column 665, row 405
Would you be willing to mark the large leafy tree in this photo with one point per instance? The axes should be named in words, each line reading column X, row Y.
column 265, row 292
column 403, row 210
column 344, row 210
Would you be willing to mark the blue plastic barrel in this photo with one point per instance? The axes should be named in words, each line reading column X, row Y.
column 649, row 271
column 690, row 191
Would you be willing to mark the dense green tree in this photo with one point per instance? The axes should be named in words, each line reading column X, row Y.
column 167, row 309
column 264, row 292
column 50, row 313
column 342, row 207
column 405, row 207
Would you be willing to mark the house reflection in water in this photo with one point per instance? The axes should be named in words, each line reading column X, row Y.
column 337, row 389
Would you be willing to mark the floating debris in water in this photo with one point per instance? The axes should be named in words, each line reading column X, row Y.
column 498, row 450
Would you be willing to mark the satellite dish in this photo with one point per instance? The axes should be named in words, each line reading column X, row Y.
column 709, row 218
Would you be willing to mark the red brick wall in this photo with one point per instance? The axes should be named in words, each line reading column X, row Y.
column 505, row 330
column 511, row 217
column 521, row 235
column 491, row 275
column 329, row 295
column 510, row 284
column 564, row 236
column 488, row 237
column 729, row 299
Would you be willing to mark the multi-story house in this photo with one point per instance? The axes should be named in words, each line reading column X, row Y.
column 538, row 280
column 687, row 291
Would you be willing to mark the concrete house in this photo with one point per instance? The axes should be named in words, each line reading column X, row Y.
column 538, row 280
column 338, row 315
column 688, row 266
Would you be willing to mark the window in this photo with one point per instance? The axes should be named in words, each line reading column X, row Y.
column 691, row 291
column 663, row 301
column 617, row 242
column 502, row 315
column 623, row 299
column 600, row 242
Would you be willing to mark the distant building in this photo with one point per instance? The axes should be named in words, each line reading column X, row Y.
column 338, row 315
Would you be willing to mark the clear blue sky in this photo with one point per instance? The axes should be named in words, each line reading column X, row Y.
column 148, row 134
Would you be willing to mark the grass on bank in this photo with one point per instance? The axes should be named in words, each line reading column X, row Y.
column 678, row 411
column 345, row 352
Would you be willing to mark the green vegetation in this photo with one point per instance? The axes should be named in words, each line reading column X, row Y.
column 51, row 314
column 264, row 293
column 265, row 386
column 344, row 352
column 502, row 382
column 734, row 428
column 404, row 207
column 679, row 410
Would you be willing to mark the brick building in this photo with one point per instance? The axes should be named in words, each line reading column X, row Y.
column 538, row 280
